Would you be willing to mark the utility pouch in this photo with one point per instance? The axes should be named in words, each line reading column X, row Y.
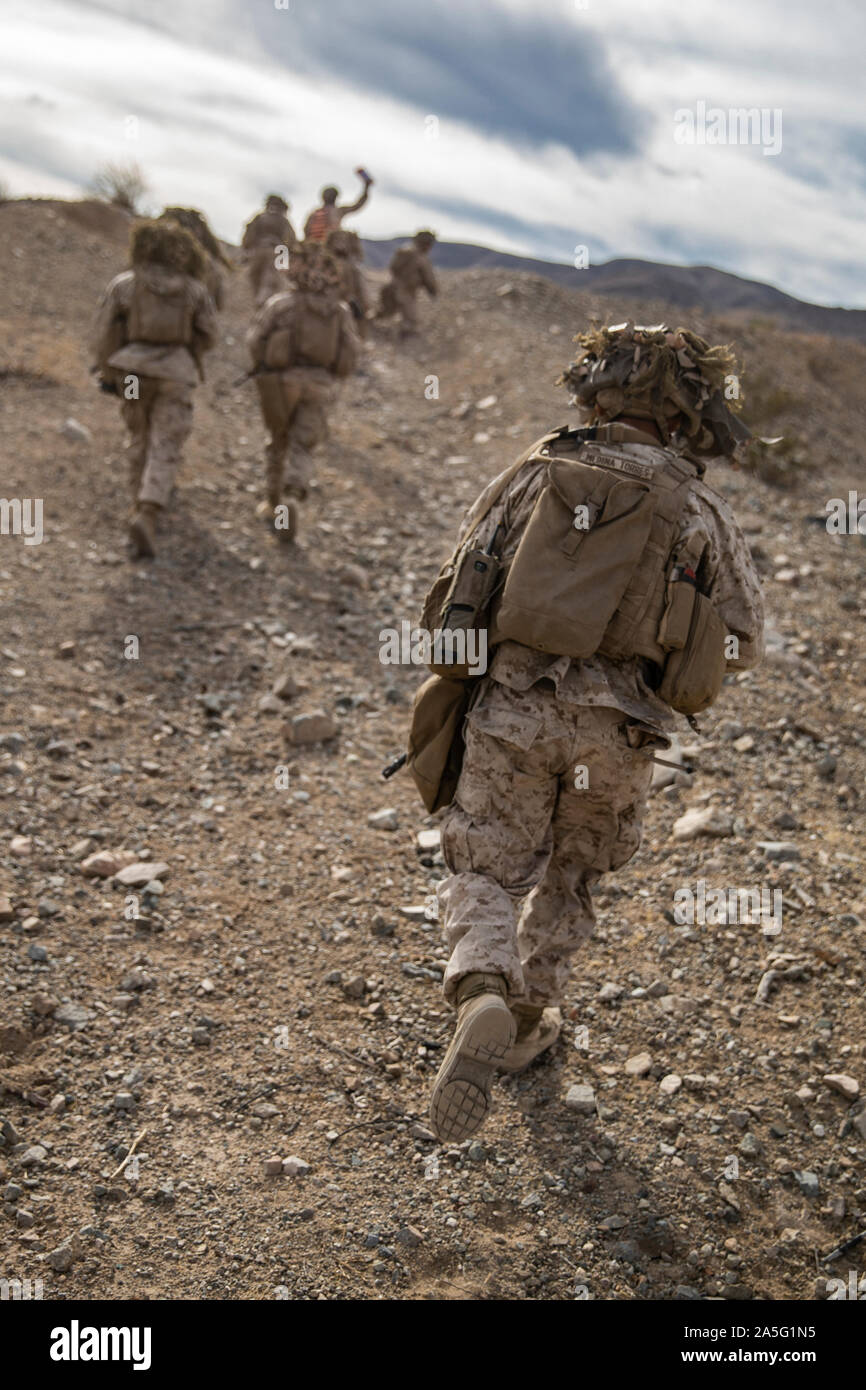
column 435, row 751
column 459, row 603
column 677, row 616
column 693, row 675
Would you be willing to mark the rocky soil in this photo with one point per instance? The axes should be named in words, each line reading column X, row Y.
column 217, row 949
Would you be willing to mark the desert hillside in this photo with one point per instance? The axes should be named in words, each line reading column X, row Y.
column 278, row 993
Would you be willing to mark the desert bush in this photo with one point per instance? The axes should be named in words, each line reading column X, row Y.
column 124, row 185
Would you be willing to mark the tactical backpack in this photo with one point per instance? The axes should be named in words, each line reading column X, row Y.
column 599, row 568
column 161, row 316
column 304, row 337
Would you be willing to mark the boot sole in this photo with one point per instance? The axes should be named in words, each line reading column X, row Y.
column 461, row 1091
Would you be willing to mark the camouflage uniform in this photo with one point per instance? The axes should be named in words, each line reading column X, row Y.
column 523, row 843
column 160, row 419
column 346, row 247
column 295, row 396
column 262, row 237
column 196, row 223
column 410, row 271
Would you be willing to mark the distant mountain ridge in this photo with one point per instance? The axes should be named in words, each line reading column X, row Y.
column 687, row 286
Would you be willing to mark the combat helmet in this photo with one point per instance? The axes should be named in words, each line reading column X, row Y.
column 670, row 376
column 340, row 243
column 424, row 238
column 313, row 269
column 196, row 223
column 163, row 242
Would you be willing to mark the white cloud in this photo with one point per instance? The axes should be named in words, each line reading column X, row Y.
column 220, row 124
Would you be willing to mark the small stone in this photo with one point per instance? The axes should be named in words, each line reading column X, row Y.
column 294, row 1167
column 638, row 1065
column 285, row 687
column 137, row 875
column 750, row 1146
column 265, row 1110
column 273, row 1167
column 64, row 1257
column 33, row 1156
column 609, row 992
column 7, row 911
column 670, row 1084
column 703, row 820
column 779, row 849
column 269, row 704
column 136, row 979
column 807, row 1182
column 356, row 987
column 409, row 1236
column 844, row 1085
column 826, row 768
column 386, row 819
column 476, row 1152
column 745, row 744
column 429, row 839
column 124, row 1100
column 200, row 1037
column 316, row 727
column 21, row 846
column 74, row 1016
column 75, row 432
column 581, row 1098
column 66, row 651
column 37, row 953
column 105, row 863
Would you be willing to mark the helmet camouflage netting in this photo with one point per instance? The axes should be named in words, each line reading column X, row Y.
column 660, row 374
column 197, row 223
column 166, row 242
column 313, row 268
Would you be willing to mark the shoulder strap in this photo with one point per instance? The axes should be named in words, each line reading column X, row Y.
column 494, row 490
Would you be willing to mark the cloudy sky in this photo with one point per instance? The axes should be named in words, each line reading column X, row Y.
column 535, row 126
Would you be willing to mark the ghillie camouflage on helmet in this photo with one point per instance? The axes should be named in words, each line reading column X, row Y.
column 670, row 376
column 164, row 242
column 313, row 269
column 425, row 237
column 197, row 223
column 341, row 243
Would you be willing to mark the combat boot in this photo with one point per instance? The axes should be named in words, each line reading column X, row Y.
column 537, row 1030
column 484, row 1033
column 142, row 528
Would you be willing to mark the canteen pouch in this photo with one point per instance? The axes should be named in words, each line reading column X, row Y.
column 435, row 751
column 575, row 559
column 693, row 675
column 459, row 601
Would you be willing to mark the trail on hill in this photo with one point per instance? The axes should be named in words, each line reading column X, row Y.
column 280, row 996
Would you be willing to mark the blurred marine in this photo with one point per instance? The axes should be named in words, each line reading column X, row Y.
column 410, row 271
column 267, row 243
column 616, row 588
column 154, row 324
column 328, row 216
column 301, row 344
